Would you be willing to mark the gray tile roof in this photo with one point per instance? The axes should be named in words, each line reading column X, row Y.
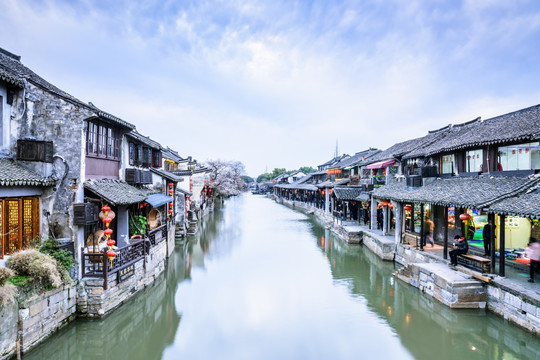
column 396, row 150
column 348, row 192
column 14, row 174
column 182, row 191
column 365, row 197
column 335, row 160
column 13, row 71
column 526, row 205
column 358, row 158
column 470, row 192
column 134, row 134
column 518, row 126
column 116, row 192
column 167, row 174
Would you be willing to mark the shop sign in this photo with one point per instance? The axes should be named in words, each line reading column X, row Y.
column 126, row 272
column 333, row 171
column 511, row 222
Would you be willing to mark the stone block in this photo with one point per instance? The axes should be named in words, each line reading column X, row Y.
column 96, row 291
column 529, row 308
column 512, row 300
column 38, row 307
column 494, row 292
column 471, row 297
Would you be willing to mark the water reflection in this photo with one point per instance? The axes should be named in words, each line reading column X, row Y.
column 262, row 281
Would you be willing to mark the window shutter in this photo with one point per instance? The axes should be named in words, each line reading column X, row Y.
column 32, row 150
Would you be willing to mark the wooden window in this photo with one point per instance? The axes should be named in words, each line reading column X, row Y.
column 474, row 160
column 138, row 155
column 131, row 153
column 19, row 223
column 447, row 164
column 91, row 147
column 1, row 121
column 102, row 140
column 156, row 158
column 147, row 157
column 519, row 157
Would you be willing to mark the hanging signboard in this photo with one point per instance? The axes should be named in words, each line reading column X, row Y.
column 126, row 272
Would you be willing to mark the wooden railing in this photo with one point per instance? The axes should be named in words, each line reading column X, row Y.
column 98, row 265
column 157, row 235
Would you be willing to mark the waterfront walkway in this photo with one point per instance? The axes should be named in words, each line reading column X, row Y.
column 516, row 276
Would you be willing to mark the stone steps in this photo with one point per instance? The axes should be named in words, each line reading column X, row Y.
column 452, row 288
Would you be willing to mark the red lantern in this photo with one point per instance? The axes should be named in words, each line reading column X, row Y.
column 465, row 217
column 107, row 220
column 384, row 203
column 111, row 254
column 108, row 232
column 110, row 242
column 170, row 211
column 330, row 191
column 390, row 206
column 106, row 208
column 408, row 207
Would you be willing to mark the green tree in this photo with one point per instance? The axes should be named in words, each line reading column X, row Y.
column 307, row 169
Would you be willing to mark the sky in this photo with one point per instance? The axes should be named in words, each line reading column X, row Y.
column 282, row 83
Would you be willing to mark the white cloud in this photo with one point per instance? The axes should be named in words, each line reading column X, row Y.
column 228, row 76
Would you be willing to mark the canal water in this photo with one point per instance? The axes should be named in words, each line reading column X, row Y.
column 263, row 281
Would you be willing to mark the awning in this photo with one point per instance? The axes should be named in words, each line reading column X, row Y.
column 381, row 164
column 156, row 200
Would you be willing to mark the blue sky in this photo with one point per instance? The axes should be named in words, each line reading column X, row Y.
column 277, row 83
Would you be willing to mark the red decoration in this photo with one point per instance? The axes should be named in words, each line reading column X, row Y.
column 107, row 220
column 108, row 231
column 465, row 217
column 170, row 211
column 110, row 242
column 105, row 208
column 390, row 205
column 408, row 207
column 384, row 203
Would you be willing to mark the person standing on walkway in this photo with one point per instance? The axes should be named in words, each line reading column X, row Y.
column 486, row 235
column 533, row 250
column 429, row 226
column 461, row 246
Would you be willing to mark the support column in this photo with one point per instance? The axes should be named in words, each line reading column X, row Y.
column 385, row 220
column 399, row 220
column 492, row 243
column 422, row 227
column 445, row 240
column 502, row 245
column 326, row 201
column 373, row 222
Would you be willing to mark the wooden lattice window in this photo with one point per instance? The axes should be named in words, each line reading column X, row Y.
column 19, row 223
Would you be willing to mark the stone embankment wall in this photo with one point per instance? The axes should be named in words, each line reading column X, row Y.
column 9, row 316
column 522, row 309
column 94, row 301
column 35, row 319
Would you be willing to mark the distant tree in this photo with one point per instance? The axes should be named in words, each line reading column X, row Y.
column 227, row 177
column 247, row 179
column 269, row 176
column 307, row 169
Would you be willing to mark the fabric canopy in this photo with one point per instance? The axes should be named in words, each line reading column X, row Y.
column 156, row 200
column 381, row 164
